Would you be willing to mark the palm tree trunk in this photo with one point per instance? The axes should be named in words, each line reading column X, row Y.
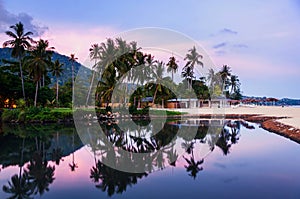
column 22, row 157
column 154, row 94
column 172, row 75
column 56, row 91
column 36, row 92
column 72, row 84
column 22, row 79
column 90, row 88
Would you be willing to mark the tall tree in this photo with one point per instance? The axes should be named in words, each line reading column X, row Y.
column 38, row 61
column 188, row 74
column 73, row 60
column 20, row 42
column 94, row 55
column 193, row 59
column 158, row 76
column 172, row 66
column 225, row 73
column 56, row 70
column 234, row 83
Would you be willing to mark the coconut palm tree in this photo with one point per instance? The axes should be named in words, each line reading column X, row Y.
column 94, row 55
column 73, row 59
column 38, row 61
column 225, row 73
column 234, row 83
column 107, row 84
column 193, row 59
column 172, row 66
column 20, row 42
column 158, row 76
column 188, row 74
column 56, row 70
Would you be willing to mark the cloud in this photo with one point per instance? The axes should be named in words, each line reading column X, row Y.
column 240, row 46
column 220, row 45
column 228, row 31
column 7, row 19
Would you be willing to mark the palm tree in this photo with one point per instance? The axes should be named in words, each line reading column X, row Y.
column 38, row 61
column 188, row 74
column 73, row 60
column 107, row 84
column 193, row 58
column 56, row 70
column 94, row 55
column 234, row 83
column 172, row 66
column 158, row 76
column 224, row 74
column 20, row 42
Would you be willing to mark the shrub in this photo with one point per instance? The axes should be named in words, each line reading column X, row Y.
column 10, row 114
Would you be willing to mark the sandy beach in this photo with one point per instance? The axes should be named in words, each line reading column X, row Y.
column 293, row 113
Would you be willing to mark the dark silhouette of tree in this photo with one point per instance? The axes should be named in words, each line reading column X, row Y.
column 193, row 166
column 20, row 42
column 40, row 173
column 113, row 181
column 20, row 187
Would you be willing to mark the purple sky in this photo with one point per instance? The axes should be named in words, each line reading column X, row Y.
column 258, row 39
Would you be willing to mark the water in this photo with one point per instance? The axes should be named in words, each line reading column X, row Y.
column 238, row 163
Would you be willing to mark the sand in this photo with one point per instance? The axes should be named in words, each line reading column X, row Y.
column 292, row 113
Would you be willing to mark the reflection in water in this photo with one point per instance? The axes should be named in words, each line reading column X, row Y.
column 73, row 165
column 39, row 152
column 113, row 181
column 39, row 146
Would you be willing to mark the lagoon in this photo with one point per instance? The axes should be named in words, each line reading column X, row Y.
column 234, row 161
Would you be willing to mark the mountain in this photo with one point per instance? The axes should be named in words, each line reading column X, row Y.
column 5, row 53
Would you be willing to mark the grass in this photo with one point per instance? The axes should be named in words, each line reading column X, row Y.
column 37, row 114
column 163, row 112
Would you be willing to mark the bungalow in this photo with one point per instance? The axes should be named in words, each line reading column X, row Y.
column 197, row 103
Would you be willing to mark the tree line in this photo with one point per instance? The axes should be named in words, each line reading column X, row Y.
column 115, row 61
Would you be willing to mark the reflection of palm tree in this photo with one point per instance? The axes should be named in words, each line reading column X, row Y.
column 188, row 146
column 73, row 165
column 19, row 186
column 113, row 181
column 40, row 173
column 193, row 166
column 172, row 156
column 57, row 152
column 223, row 141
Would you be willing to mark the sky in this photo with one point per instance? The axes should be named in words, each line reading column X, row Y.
column 259, row 40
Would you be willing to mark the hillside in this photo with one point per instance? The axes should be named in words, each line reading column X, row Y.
column 5, row 53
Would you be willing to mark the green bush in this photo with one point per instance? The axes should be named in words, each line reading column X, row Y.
column 10, row 114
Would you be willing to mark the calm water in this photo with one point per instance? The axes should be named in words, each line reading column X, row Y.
column 234, row 161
